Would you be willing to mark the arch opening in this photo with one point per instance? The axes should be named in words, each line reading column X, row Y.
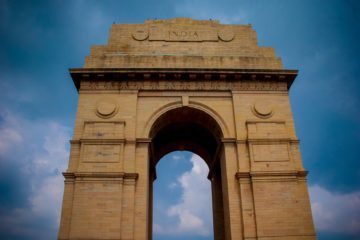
column 189, row 129
column 182, row 198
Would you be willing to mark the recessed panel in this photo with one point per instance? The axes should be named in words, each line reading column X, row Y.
column 101, row 153
column 266, row 130
column 270, row 152
column 104, row 130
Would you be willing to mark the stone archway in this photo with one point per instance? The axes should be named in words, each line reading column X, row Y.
column 190, row 129
column 184, row 84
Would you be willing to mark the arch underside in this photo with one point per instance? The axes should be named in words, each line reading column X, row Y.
column 188, row 129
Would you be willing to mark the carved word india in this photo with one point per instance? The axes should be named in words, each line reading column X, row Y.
column 178, row 34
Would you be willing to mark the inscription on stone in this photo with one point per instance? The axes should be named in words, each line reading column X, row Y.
column 100, row 153
column 182, row 34
column 104, row 130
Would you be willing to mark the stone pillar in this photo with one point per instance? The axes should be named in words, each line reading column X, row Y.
column 247, row 205
column 128, row 209
column 66, row 213
column 217, row 203
column 231, row 194
column 143, row 230
column 97, row 205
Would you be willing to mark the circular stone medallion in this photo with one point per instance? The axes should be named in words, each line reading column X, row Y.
column 106, row 109
column 140, row 34
column 226, row 34
column 262, row 110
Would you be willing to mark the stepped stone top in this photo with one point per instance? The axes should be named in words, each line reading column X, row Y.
column 182, row 43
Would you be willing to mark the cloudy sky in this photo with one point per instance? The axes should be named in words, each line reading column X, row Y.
column 40, row 40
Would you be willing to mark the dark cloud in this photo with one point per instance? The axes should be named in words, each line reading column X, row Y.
column 14, row 189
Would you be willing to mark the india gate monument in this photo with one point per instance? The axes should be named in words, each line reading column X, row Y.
column 184, row 84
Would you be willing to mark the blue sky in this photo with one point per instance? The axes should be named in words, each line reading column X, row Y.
column 40, row 40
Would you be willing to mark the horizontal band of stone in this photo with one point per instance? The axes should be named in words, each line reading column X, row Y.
column 183, row 75
column 240, row 175
column 148, row 140
column 123, row 175
column 183, row 85
column 110, row 140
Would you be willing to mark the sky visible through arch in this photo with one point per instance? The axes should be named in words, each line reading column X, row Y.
column 40, row 40
column 186, row 211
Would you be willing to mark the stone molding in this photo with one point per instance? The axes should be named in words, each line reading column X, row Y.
column 121, row 175
column 187, row 86
column 240, row 175
column 182, row 79
column 110, row 141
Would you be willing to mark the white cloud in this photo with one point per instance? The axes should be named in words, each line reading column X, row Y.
column 193, row 213
column 40, row 149
column 55, row 151
column 189, row 222
column 335, row 212
column 46, row 201
column 176, row 157
column 173, row 185
column 47, row 196
column 8, row 138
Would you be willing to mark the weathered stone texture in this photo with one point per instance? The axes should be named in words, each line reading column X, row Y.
column 183, row 43
column 188, row 85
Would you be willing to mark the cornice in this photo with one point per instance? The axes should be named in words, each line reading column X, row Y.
column 183, row 74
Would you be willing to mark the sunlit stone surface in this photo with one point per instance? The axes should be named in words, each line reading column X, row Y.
column 183, row 84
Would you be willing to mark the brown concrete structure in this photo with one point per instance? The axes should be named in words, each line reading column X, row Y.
column 183, row 84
